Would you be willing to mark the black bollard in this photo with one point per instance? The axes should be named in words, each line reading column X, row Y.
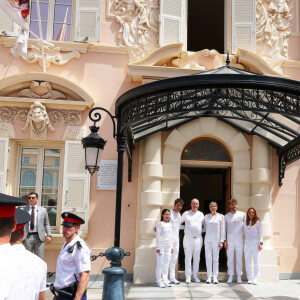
column 113, row 286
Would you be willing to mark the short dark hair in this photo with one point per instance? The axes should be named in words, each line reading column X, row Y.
column 178, row 200
column 51, row 202
column 6, row 226
column 33, row 193
column 232, row 201
column 163, row 212
column 16, row 236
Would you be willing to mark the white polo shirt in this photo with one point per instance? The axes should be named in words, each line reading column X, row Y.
column 215, row 228
column 22, row 275
column 193, row 223
column 234, row 226
column 175, row 220
column 69, row 264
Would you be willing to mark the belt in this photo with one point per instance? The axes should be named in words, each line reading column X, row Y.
column 33, row 233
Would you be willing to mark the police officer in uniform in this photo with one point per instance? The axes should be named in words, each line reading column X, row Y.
column 73, row 263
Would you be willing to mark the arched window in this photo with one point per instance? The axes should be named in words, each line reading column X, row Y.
column 205, row 149
column 28, row 179
column 47, row 179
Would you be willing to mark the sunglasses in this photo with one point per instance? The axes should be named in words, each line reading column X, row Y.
column 31, row 197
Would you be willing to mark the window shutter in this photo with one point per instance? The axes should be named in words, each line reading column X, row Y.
column 88, row 20
column 76, row 184
column 3, row 163
column 171, row 22
column 7, row 24
column 243, row 25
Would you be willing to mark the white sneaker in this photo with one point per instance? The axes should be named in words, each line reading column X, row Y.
column 239, row 279
column 161, row 284
column 167, row 284
column 249, row 281
column 255, row 281
column 174, row 281
column 230, row 279
column 208, row 281
column 215, row 280
column 188, row 281
column 196, row 279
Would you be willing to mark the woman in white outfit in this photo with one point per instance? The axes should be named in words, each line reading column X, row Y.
column 164, row 242
column 214, row 240
column 253, row 244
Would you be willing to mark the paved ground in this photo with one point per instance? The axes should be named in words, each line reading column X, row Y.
column 283, row 290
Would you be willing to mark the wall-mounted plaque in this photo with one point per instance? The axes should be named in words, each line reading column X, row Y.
column 107, row 175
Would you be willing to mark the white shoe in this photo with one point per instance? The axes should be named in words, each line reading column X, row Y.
column 230, row 279
column 215, row 280
column 167, row 284
column 161, row 284
column 196, row 279
column 208, row 281
column 239, row 279
column 188, row 281
column 255, row 281
column 250, row 281
column 174, row 281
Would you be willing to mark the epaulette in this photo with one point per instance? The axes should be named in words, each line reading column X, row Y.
column 71, row 249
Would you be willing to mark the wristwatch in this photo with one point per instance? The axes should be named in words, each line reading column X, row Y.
column 261, row 243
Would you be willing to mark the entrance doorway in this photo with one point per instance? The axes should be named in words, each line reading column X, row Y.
column 205, row 184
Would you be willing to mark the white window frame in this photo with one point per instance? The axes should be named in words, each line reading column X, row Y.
column 39, row 176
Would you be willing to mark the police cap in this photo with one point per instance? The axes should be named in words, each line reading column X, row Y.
column 71, row 219
column 8, row 205
column 22, row 218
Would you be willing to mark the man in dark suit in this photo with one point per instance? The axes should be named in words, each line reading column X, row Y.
column 34, row 237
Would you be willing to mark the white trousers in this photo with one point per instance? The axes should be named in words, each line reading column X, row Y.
column 162, row 264
column 235, row 246
column 212, row 259
column 173, row 261
column 251, row 250
column 192, row 248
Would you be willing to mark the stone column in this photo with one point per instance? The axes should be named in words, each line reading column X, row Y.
column 261, row 200
column 150, row 202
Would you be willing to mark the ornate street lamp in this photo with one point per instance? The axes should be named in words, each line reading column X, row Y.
column 93, row 144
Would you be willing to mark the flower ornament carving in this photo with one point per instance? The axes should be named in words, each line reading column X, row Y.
column 38, row 121
column 139, row 20
column 273, row 20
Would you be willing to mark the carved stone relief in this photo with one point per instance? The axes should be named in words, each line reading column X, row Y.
column 52, row 55
column 74, row 133
column 7, row 130
column 139, row 21
column 38, row 121
column 273, row 20
column 41, row 90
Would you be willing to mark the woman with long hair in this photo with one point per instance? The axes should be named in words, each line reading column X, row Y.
column 214, row 241
column 253, row 244
column 164, row 242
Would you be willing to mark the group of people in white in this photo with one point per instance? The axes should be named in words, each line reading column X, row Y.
column 220, row 231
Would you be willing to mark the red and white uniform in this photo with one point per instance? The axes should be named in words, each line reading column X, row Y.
column 164, row 242
column 192, row 241
column 253, row 237
column 175, row 220
column 234, row 224
column 215, row 232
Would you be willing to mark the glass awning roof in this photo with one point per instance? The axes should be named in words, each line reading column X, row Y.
column 266, row 106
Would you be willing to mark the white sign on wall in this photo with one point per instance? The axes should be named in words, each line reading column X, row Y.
column 107, row 175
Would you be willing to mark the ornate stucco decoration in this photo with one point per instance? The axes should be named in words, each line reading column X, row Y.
column 74, row 133
column 38, row 121
column 7, row 130
column 41, row 90
column 52, row 55
column 191, row 60
column 273, row 20
column 66, row 117
column 139, row 20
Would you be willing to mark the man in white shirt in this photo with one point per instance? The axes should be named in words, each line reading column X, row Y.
column 37, row 276
column 233, row 243
column 175, row 220
column 18, row 276
column 73, row 263
column 35, row 229
column 192, row 241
